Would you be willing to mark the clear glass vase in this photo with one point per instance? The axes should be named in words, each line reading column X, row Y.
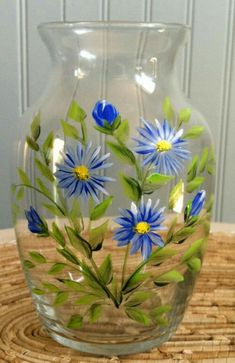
column 113, row 188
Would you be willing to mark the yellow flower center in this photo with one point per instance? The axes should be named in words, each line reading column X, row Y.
column 81, row 172
column 163, row 145
column 142, row 227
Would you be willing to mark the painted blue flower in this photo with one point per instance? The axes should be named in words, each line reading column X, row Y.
column 197, row 203
column 35, row 223
column 138, row 227
column 162, row 147
column 79, row 172
column 104, row 111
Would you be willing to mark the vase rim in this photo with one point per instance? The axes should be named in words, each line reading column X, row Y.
column 113, row 24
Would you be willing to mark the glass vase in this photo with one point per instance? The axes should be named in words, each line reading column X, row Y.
column 113, row 188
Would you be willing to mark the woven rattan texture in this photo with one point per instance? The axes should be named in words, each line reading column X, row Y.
column 207, row 333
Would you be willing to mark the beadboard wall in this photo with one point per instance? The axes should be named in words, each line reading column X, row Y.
column 207, row 70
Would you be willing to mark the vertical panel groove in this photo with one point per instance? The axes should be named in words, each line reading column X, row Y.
column 23, row 56
column 148, row 10
column 189, row 19
column 226, row 87
column 63, row 10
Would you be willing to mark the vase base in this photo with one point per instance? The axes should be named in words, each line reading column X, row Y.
column 111, row 349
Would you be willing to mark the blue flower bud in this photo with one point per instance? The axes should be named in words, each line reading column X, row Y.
column 35, row 223
column 198, row 203
column 104, row 111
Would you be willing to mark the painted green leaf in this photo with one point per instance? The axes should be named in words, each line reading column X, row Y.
column 50, row 287
column 75, row 322
column 160, row 310
column 101, row 208
column 38, row 291
column 192, row 169
column 68, row 255
column 69, row 130
column 168, row 109
column 57, row 234
column 53, row 209
column 210, row 203
column 139, row 297
column 42, row 187
column 103, row 130
column 87, row 299
column 32, row 144
column 47, row 147
column 194, row 264
column 75, row 112
column 97, row 235
column 183, row 233
column 176, row 194
column 169, row 277
column 193, row 250
column 95, row 312
column 158, row 179
column 171, row 229
column 28, row 264
column 44, row 170
column 194, row 132
column 187, row 211
column 157, row 314
column 56, row 268
column 138, row 315
column 13, row 188
column 74, row 285
column 134, row 281
column 122, row 152
column 37, row 257
column 61, row 298
column 161, row 255
column 106, row 270
column 15, row 209
column 23, row 177
column 78, row 242
column 91, row 280
column 210, row 169
column 114, row 287
column 35, row 127
column 75, row 211
column 122, row 132
column 184, row 115
column 204, row 159
column 20, row 193
column 115, row 125
column 195, row 184
column 131, row 187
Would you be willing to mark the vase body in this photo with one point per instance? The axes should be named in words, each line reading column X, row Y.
column 110, row 271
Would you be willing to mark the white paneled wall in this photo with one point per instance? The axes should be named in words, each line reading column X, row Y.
column 206, row 70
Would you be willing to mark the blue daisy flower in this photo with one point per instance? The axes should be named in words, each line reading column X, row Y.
column 138, row 227
column 104, row 111
column 79, row 172
column 197, row 203
column 35, row 223
column 162, row 147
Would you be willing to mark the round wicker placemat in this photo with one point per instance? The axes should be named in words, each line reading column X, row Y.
column 207, row 333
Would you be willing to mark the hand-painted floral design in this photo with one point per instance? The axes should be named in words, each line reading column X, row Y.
column 35, row 223
column 138, row 227
column 79, row 172
column 163, row 147
column 104, row 111
column 198, row 203
column 82, row 174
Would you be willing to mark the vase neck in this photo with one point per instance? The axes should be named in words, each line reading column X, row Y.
column 143, row 51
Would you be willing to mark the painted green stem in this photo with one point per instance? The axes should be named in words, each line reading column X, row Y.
column 46, row 196
column 125, row 263
column 106, row 289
